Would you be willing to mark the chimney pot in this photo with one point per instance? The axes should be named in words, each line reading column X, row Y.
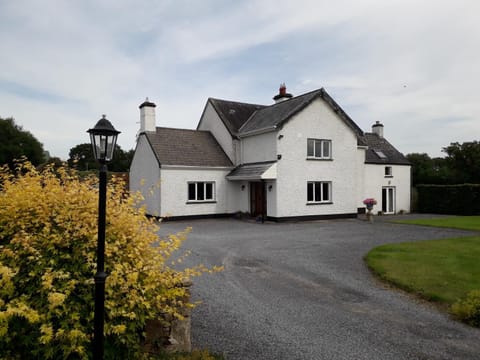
column 282, row 94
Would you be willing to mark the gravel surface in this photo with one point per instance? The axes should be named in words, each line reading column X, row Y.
column 302, row 291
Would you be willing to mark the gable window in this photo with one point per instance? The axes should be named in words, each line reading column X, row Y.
column 319, row 192
column 201, row 191
column 388, row 171
column 319, row 149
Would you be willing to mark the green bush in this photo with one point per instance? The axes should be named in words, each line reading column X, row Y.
column 462, row 199
column 48, row 237
column 468, row 309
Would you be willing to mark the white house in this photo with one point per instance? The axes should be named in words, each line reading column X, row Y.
column 302, row 157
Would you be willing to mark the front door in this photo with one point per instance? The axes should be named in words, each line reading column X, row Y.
column 388, row 200
column 258, row 205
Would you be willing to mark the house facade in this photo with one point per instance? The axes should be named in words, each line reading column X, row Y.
column 302, row 157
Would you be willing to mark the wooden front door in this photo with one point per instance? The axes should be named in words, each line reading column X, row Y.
column 258, row 205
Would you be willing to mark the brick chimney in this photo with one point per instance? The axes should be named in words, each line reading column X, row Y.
column 147, row 116
column 377, row 128
column 282, row 94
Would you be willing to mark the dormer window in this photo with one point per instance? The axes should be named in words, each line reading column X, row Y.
column 319, row 149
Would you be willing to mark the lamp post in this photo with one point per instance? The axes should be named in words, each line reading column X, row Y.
column 103, row 138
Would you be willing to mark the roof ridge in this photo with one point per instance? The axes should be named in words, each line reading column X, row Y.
column 182, row 129
column 295, row 97
column 237, row 102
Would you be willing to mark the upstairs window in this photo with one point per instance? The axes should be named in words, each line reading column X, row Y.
column 201, row 191
column 388, row 171
column 319, row 149
column 319, row 192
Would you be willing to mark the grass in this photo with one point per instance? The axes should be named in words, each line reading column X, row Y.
column 457, row 222
column 438, row 270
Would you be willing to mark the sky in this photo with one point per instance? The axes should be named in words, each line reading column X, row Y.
column 412, row 65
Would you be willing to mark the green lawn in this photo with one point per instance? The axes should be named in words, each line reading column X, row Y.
column 457, row 222
column 446, row 271
column 439, row 270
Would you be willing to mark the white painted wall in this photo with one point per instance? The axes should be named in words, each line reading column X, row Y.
column 361, row 153
column 210, row 121
column 293, row 170
column 259, row 148
column 375, row 180
column 145, row 175
column 174, row 191
column 239, row 199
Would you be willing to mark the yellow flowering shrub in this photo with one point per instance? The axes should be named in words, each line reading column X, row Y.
column 48, row 239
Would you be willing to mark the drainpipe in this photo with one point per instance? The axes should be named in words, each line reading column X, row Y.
column 264, row 201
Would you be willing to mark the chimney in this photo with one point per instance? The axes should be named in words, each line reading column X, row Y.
column 282, row 94
column 147, row 116
column 377, row 128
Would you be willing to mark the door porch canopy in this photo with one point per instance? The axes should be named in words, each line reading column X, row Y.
column 255, row 171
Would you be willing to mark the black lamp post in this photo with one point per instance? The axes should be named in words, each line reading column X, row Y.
column 103, row 138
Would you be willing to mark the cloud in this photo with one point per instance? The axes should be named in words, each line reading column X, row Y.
column 405, row 63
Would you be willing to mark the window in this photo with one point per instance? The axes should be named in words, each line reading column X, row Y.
column 319, row 149
column 319, row 192
column 388, row 171
column 201, row 191
column 380, row 154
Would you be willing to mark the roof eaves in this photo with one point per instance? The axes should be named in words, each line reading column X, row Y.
column 338, row 110
column 257, row 132
column 299, row 108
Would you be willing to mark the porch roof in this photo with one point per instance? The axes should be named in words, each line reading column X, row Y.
column 254, row 171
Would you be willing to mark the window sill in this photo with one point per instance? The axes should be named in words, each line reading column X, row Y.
column 389, row 176
column 201, row 202
column 319, row 159
column 320, row 203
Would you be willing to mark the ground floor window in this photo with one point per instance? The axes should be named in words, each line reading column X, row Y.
column 201, row 191
column 319, row 192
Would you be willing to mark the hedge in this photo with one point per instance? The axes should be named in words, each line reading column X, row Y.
column 462, row 199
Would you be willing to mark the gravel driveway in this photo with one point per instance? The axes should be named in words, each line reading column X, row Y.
column 302, row 291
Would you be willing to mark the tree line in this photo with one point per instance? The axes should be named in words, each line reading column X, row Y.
column 461, row 165
column 15, row 143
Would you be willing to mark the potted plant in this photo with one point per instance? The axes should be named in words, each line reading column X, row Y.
column 369, row 203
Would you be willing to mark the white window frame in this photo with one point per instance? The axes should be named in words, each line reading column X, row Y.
column 319, row 186
column 197, row 184
column 319, row 144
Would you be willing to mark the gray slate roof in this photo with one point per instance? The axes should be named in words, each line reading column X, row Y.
column 234, row 114
column 375, row 144
column 186, row 147
column 250, row 171
column 276, row 115
column 242, row 119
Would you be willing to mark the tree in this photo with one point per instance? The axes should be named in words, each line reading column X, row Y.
column 16, row 143
column 464, row 161
column 426, row 170
column 48, row 233
column 81, row 158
